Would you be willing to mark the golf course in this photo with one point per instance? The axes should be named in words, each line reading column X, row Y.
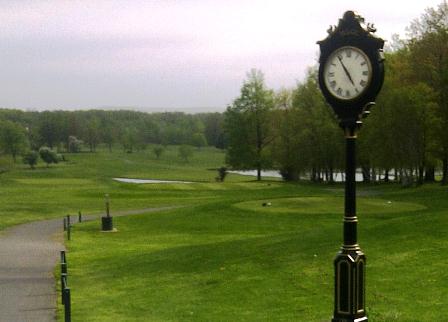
column 238, row 250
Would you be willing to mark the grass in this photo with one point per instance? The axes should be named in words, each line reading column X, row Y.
column 234, row 260
column 81, row 182
column 329, row 204
column 223, row 256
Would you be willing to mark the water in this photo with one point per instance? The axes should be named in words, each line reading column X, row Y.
column 140, row 181
column 264, row 173
column 337, row 176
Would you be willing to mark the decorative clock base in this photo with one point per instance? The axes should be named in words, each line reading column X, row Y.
column 364, row 319
column 349, row 266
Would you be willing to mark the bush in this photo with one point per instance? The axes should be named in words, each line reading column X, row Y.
column 222, row 173
column 31, row 158
column 5, row 165
column 199, row 140
column 185, row 152
column 289, row 174
column 158, row 150
column 48, row 155
column 74, row 145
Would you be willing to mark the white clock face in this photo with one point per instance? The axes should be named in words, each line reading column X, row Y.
column 347, row 73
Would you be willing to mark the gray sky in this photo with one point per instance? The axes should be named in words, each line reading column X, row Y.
column 184, row 55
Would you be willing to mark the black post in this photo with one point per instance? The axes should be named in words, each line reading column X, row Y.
column 63, row 286
column 79, row 216
column 68, row 220
column 65, row 223
column 67, row 305
column 349, row 263
column 63, row 256
column 107, row 205
column 63, row 275
column 106, row 222
column 350, row 220
column 64, row 268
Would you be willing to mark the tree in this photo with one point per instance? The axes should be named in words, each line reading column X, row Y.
column 72, row 127
column 248, row 125
column 48, row 155
column 74, row 145
column 398, row 134
column 12, row 138
column 311, row 141
column 214, row 129
column 158, row 150
column 198, row 140
column 48, row 128
column 31, row 158
column 286, row 147
column 185, row 152
column 129, row 139
column 92, row 134
column 429, row 47
column 54, row 128
column 6, row 165
column 109, row 135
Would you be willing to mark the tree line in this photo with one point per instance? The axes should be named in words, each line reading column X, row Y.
column 405, row 137
column 293, row 130
column 76, row 131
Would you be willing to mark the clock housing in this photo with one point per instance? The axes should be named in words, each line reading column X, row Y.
column 351, row 34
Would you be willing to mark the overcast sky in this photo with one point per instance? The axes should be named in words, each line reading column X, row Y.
column 184, row 55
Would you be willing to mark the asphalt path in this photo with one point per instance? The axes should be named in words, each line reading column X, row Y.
column 28, row 256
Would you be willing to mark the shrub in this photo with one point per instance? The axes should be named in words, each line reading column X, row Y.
column 74, row 145
column 185, row 152
column 222, row 173
column 199, row 140
column 48, row 155
column 31, row 158
column 158, row 150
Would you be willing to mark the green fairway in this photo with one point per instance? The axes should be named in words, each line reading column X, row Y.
column 235, row 260
column 329, row 204
column 224, row 256
column 81, row 182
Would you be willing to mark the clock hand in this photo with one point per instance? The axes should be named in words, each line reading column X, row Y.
column 346, row 71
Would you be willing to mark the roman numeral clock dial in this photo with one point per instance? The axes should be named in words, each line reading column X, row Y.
column 347, row 73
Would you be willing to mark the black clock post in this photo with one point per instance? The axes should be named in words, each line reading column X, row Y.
column 351, row 74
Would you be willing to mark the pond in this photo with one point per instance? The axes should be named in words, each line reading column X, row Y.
column 338, row 177
column 264, row 173
column 140, row 181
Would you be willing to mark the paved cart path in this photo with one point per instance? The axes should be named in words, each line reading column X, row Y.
column 28, row 256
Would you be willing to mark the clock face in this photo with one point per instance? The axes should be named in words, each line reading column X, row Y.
column 347, row 73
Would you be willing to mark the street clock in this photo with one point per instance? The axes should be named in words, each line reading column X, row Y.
column 351, row 70
column 351, row 73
